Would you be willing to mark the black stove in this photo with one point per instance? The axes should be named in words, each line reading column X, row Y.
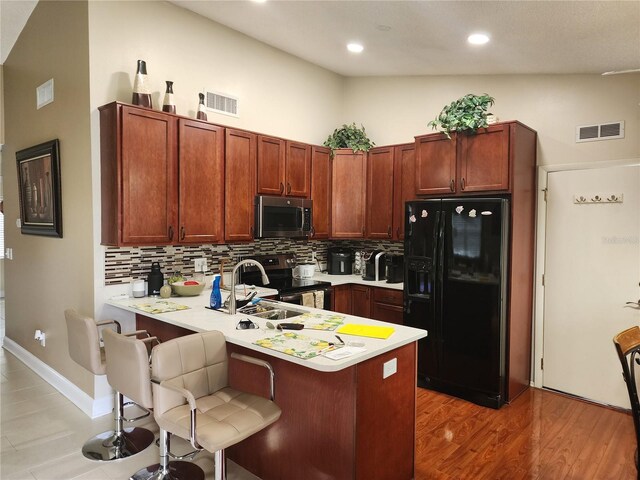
column 279, row 269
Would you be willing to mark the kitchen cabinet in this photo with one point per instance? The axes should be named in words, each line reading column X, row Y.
column 466, row 163
column 380, row 180
column 341, row 299
column 403, row 184
column 387, row 305
column 201, row 182
column 139, row 176
column 320, row 191
column 283, row 167
column 240, row 185
column 361, row 300
column 348, row 193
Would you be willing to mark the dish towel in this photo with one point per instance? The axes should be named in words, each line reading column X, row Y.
column 307, row 299
column 319, row 296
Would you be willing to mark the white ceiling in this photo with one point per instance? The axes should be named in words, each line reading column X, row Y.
column 425, row 37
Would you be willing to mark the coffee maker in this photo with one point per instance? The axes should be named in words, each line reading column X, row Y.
column 374, row 265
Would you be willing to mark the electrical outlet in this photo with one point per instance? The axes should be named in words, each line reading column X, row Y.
column 200, row 264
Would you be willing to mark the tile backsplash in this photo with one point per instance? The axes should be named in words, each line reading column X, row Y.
column 123, row 264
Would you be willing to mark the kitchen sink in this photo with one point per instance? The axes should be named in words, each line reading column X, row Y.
column 271, row 311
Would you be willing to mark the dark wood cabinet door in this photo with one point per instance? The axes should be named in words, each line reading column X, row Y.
column 320, row 191
column 387, row 305
column 240, row 185
column 298, row 170
column 271, row 164
column 341, row 299
column 348, row 194
column 380, row 193
column 149, row 177
column 435, row 171
column 361, row 300
column 483, row 160
column 403, row 185
column 201, row 188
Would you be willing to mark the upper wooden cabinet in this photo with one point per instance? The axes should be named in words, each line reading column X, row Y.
column 403, row 184
column 320, row 191
column 380, row 180
column 240, row 185
column 284, row 167
column 348, row 193
column 201, row 190
column 467, row 163
column 139, row 176
column 161, row 178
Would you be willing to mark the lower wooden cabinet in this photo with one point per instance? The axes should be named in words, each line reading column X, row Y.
column 378, row 303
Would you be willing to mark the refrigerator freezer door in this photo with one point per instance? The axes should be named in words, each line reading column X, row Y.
column 472, row 280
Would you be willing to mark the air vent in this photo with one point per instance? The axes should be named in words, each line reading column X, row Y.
column 604, row 131
column 221, row 103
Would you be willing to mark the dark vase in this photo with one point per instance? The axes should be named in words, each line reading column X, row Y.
column 201, row 115
column 141, row 90
column 168, row 105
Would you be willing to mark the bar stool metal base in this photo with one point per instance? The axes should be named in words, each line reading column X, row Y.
column 176, row 471
column 108, row 446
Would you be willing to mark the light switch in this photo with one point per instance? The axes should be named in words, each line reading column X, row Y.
column 8, row 253
column 389, row 368
column 44, row 94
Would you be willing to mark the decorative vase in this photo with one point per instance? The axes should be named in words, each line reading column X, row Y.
column 201, row 115
column 168, row 104
column 141, row 91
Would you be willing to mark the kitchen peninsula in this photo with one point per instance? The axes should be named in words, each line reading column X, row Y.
column 347, row 418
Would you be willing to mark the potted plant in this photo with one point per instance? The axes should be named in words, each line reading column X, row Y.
column 349, row 136
column 466, row 114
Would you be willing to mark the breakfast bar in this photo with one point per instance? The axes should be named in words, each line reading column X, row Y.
column 351, row 418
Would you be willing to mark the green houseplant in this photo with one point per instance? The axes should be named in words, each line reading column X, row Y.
column 468, row 113
column 349, row 136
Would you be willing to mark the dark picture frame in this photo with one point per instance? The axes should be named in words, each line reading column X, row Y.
column 39, row 189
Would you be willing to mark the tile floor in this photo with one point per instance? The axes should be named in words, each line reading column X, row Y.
column 42, row 433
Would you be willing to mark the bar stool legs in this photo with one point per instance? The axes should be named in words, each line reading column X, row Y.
column 121, row 443
column 169, row 470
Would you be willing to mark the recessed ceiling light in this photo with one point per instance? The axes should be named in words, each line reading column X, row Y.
column 355, row 47
column 478, row 39
column 259, row 1
column 383, row 28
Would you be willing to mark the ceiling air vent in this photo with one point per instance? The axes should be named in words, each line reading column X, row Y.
column 604, row 131
column 221, row 103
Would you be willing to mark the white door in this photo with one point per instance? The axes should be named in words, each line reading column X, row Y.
column 592, row 268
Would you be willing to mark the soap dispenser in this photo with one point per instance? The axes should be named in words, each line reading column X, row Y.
column 155, row 280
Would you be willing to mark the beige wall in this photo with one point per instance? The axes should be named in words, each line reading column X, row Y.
column 48, row 275
column 395, row 109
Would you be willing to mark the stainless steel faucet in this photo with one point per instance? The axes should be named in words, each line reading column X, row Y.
column 232, row 296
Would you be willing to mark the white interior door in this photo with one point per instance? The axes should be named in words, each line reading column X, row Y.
column 592, row 268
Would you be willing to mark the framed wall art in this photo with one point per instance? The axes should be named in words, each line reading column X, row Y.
column 39, row 189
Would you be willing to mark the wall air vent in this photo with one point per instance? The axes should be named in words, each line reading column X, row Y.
column 221, row 103
column 603, row 131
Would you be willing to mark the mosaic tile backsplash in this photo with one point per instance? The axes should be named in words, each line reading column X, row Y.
column 124, row 264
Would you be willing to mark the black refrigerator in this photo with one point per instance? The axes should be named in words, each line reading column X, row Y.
column 456, row 254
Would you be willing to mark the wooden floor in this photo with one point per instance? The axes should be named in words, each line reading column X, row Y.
column 541, row 435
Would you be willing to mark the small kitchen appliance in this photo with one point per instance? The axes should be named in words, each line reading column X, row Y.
column 285, row 217
column 339, row 261
column 394, row 268
column 374, row 265
column 155, row 280
column 304, row 271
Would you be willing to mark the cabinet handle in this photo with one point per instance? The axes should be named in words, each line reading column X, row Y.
column 182, row 234
column 398, row 232
column 389, row 231
column 251, row 231
column 170, row 232
column 452, row 185
column 288, row 188
column 313, row 231
column 281, row 188
column 363, row 231
column 462, row 183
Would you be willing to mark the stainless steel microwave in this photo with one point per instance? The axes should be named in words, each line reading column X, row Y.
column 282, row 217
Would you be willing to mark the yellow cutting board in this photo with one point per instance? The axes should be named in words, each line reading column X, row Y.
column 366, row 330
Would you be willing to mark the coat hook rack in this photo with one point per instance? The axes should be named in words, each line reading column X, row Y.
column 598, row 198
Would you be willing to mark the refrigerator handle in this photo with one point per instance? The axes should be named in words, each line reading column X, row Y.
column 440, row 255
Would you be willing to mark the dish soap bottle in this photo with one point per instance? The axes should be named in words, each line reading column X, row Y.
column 216, row 297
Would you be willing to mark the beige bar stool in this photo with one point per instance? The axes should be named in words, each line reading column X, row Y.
column 85, row 350
column 192, row 399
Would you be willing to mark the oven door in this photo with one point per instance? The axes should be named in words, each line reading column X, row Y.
column 297, row 299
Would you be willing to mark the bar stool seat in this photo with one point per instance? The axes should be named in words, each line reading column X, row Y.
column 85, row 350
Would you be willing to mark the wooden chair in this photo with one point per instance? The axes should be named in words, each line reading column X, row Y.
column 628, row 347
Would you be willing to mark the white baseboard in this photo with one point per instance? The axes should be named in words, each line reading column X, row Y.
column 92, row 407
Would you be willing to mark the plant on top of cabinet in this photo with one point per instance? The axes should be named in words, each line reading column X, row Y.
column 349, row 136
column 468, row 114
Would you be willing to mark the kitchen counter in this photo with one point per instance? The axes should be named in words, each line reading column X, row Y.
column 345, row 279
column 200, row 319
